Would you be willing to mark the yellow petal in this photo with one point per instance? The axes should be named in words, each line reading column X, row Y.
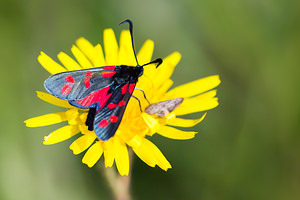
column 162, row 162
column 198, row 108
column 199, row 103
column 99, row 59
column 88, row 49
column 110, row 47
column 170, row 116
column 145, row 155
column 50, row 65
column 81, row 58
column 166, row 69
column 185, row 122
column 151, row 122
column 121, row 157
column 162, row 90
column 45, row 120
column 61, row 134
column 83, row 116
column 201, row 97
column 83, row 143
column 145, row 53
column 148, row 152
column 126, row 55
column 53, row 100
column 93, row 154
column 109, row 152
column 146, row 83
column 73, row 117
column 68, row 62
column 195, row 87
column 142, row 151
column 176, row 134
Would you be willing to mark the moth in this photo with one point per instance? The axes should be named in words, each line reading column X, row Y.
column 105, row 91
column 163, row 108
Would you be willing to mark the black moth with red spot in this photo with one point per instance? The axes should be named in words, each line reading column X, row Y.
column 105, row 91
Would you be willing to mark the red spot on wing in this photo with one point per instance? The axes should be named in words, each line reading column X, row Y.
column 109, row 67
column 131, row 88
column 70, row 79
column 124, row 88
column 111, row 106
column 108, row 74
column 113, row 118
column 88, row 74
column 121, row 103
column 103, row 123
column 87, row 83
column 99, row 96
column 65, row 89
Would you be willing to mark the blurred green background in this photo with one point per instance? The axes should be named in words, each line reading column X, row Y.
column 247, row 148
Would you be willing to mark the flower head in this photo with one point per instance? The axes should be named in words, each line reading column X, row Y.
column 136, row 125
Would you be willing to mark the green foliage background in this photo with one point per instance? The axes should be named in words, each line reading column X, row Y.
column 247, row 148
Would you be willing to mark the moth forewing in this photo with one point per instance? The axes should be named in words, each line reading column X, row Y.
column 163, row 108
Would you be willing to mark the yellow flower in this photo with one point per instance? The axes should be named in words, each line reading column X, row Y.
column 135, row 126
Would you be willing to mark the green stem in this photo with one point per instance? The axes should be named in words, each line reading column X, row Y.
column 120, row 185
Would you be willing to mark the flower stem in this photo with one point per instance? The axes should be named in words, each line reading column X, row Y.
column 120, row 185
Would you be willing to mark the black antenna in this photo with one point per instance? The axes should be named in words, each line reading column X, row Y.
column 131, row 34
column 158, row 60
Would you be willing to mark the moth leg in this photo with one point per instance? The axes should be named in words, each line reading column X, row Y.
column 143, row 94
column 90, row 118
column 139, row 102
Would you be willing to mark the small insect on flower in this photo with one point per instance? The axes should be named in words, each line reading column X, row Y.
column 105, row 91
column 163, row 108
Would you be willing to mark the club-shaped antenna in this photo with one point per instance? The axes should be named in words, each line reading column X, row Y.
column 158, row 60
column 131, row 35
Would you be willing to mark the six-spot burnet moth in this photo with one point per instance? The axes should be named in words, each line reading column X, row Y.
column 163, row 108
column 105, row 91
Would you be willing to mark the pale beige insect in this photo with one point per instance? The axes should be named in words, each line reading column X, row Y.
column 163, row 108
